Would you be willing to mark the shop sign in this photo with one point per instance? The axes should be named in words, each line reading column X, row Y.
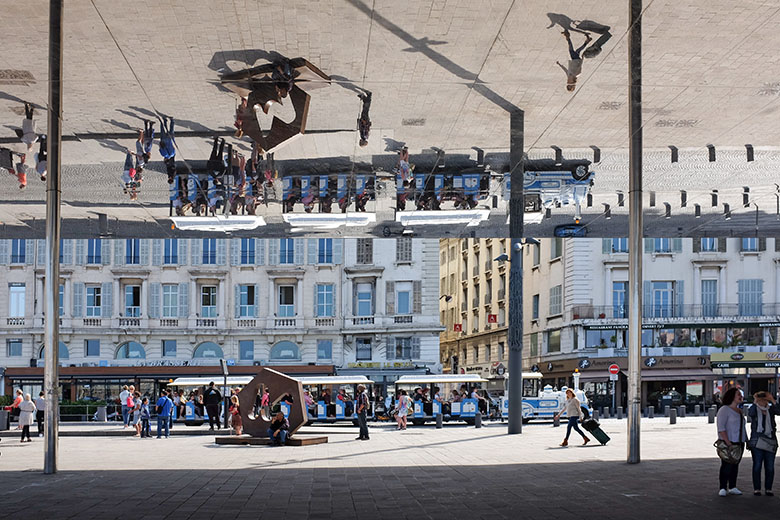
column 457, row 327
column 745, row 359
column 377, row 364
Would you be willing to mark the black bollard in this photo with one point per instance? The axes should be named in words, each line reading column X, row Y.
column 673, row 416
column 439, row 421
column 478, row 420
column 711, row 413
column 666, row 410
column 595, row 415
column 650, row 412
column 682, row 411
column 556, row 421
column 697, row 410
column 619, row 412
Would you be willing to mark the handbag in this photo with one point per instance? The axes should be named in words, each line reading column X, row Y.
column 731, row 454
column 765, row 443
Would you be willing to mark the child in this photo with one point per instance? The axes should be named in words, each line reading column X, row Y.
column 146, row 430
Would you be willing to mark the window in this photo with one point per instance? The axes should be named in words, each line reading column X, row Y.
column 554, row 341
column 403, row 298
column 285, row 351
column 132, row 301
column 556, row 248
column 132, row 251
column 534, row 343
column 487, row 352
column 365, row 250
column 662, row 245
column 555, row 300
column 362, row 349
column 662, row 299
column 324, row 349
column 403, row 348
column 620, row 245
column 18, row 251
column 501, row 351
column 246, row 305
column 170, row 301
column 535, row 307
column 287, row 251
column 536, row 251
column 62, row 300
column 324, row 300
column 93, row 301
column 709, row 245
column 619, row 299
column 171, row 251
column 131, row 350
column 600, row 338
column 365, row 293
column 476, row 354
column 403, row 250
column 13, row 347
column 709, row 297
column 209, row 251
column 208, row 350
column 246, row 348
column 16, row 292
column 94, row 251
column 750, row 294
column 92, row 347
column 749, row 245
column 208, row 301
column 325, row 251
column 286, row 301
column 247, row 251
column 443, row 258
column 169, row 348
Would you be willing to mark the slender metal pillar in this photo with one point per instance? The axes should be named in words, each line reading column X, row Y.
column 51, row 384
column 515, row 332
column 635, row 231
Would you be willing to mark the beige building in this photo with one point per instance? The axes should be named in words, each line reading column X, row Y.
column 473, row 305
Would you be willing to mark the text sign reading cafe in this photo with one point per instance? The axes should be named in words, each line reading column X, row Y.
column 745, row 360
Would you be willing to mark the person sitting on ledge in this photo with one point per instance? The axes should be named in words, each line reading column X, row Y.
column 278, row 430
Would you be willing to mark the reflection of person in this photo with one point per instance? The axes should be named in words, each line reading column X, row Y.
column 29, row 135
column 364, row 122
column 731, row 429
column 591, row 26
column 575, row 61
column 763, row 428
column 572, row 410
column 41, row 159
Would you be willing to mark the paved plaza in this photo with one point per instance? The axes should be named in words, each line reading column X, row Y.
column 456, row 472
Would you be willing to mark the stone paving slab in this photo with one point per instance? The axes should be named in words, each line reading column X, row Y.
column 455, row 472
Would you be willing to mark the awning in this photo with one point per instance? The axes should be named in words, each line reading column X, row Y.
column 690, row 374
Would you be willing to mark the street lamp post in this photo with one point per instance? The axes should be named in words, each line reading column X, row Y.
column 515, row 328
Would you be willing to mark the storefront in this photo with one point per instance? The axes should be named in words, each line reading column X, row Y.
column 752, row 371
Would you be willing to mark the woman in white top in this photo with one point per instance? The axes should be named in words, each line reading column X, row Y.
column 572, row 410
column 731, row 428
column 26, row 413
column 402, row 409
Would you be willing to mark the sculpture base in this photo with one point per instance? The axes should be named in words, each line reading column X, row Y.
column 297, row 440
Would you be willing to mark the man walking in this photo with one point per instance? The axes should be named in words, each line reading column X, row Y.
column 125, row 410
column 164, row 407
column 364, row 122
column 40, row 407
column 212, row 398
column 362, row 412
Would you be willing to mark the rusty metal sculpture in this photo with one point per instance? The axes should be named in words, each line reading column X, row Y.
column 271, row 83
column 279, row 385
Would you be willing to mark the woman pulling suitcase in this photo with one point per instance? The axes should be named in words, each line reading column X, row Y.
column 572, row 410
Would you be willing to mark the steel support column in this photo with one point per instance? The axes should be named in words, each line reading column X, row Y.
column 515, row 332
column 635, row 230
column 51, row 386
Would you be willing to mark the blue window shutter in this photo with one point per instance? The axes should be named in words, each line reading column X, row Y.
column 415, row 348
column 298, row 258
column 338, row 250
column 679, row 296
column 257, row 298
column 221, row 251
column 196, row 246
column 237, row 300
column 647, row 299
column 181, row 250
column 29, row 251
column 417, row 297
column 184, row 299
column 649, row 245
column 81, row 252
column 144, row 256
column 106, row 299
column 105, row 251
column 312, row 250
column 390, row 297
column 157, row 251
column 40, row 250
column 67, row 251
column 4, row 248
column 154, row 300
column 390, row 349
column 259, row 251
column 235, row 251
column 78, row 299
column 606, row 246
column 273, row 251
column 677, row 245
column 119, row 252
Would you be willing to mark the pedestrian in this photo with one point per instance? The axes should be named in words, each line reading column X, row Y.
column 402, row 409
column 277, row 433
column 146, row 417
column 362, row 412
column 28, row 135
column 143, row 145
column 14, row 408
column 40, row 407
column 235, row 415
column 125, row 410
column 41, row 159
column 763, row 440
column 137, row 413
column 265, row 403
column 26, row 413
column 128, row 172
column 573, row 412
column 168, row 146
column 164, row 406
column 364, row 122
column 212, row 398
column 731, row 430
column 21, row 170
column 575, row 61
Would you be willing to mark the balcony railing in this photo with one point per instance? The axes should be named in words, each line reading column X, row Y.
column 402, row 319
column 324, row 322
column 246, row 323
column 209, row 323
column 705, row 311
column 363, row 320
column 129, row 322
column 92, row 322
column 169, row 322
column 284, row 323
column 14, row 321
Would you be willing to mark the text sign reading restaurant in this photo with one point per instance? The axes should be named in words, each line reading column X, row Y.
column 745, row 360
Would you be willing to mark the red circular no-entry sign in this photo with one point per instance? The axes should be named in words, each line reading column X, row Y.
column 614, row 369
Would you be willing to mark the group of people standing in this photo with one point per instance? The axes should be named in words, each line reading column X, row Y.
column 135, row 161
column 27, row 411
column 28, row 135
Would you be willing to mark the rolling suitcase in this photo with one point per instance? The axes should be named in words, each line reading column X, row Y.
column 592, row 426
